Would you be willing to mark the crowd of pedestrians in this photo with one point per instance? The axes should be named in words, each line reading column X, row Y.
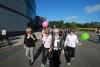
column 54, row 42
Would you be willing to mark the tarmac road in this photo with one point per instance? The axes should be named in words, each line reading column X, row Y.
column 87, row 55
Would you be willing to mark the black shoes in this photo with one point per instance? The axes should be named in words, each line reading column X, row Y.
column 31, row 63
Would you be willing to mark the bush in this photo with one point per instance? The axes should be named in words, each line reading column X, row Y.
column 87, row 29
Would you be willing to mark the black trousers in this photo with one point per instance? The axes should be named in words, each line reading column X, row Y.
column 69, row 53
column 55, row 58
column 5, row 37
column 45, row 55
column 99, row 37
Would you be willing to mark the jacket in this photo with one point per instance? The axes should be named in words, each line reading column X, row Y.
column 29, row 41
column 59, row 43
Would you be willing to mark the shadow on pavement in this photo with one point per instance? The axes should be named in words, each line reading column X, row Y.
column 14, row 38
column 11, row 43
column 38, row 53
column 7, row 44
column 94, row 41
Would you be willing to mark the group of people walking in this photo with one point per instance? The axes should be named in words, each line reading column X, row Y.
column 53, row 43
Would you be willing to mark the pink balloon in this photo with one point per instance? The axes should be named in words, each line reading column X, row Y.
column 45, row 24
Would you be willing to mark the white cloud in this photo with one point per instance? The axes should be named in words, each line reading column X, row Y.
column 92, row 9
column 72, row 17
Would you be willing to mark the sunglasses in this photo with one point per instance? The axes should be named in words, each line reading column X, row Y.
column 56, row 32
column 46, row 33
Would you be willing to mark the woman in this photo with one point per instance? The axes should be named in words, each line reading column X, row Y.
column 70, row 44
column 47, row 39
column 29, row 44
column 56, row 49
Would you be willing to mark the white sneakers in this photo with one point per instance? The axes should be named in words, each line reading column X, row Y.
column 42, row 65
column 68, row 64
column 47, row 62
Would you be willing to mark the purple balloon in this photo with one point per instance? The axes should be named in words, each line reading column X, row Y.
column 45, row 24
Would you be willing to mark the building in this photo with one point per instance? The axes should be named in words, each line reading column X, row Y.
column 15, row 14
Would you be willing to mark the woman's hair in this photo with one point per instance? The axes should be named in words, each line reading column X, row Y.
column 29, row 30
column 56, row 30
column 46, row 30
column 71, row 30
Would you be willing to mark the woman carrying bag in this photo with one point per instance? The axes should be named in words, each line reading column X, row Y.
column 56, row 47
column 47, row 39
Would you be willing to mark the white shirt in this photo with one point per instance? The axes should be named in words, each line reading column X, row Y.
column 4, row 32
column 44, row 38
column 56, row 41
column 71, row 40
column 47, row 41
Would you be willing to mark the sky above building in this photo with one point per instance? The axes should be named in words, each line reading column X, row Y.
column 80, row 11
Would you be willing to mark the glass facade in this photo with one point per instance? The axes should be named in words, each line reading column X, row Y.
column 31, row 8
column 15, row 14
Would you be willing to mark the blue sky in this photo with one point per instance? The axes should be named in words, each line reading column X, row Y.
column 69, row 10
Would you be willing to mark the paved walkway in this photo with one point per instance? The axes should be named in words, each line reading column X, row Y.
column 18, row 40
column 87, row 55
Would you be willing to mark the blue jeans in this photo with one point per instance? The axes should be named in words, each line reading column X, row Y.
column 30, row 53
